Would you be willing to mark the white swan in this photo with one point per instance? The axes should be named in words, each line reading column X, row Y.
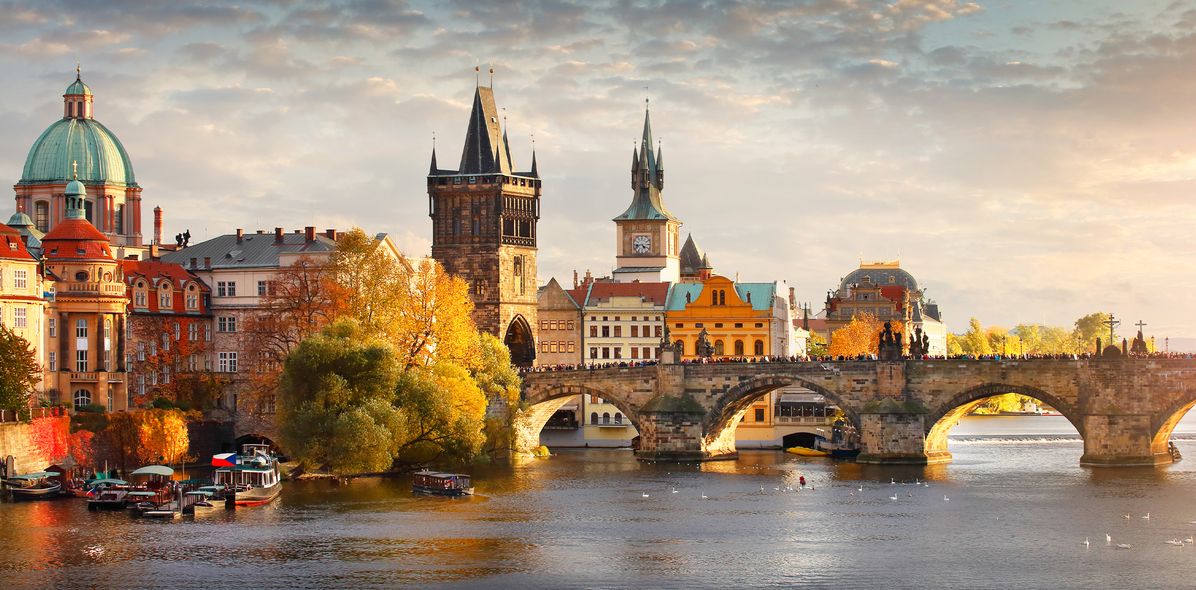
column 644, row 495
column 1085, row 542
column 1124, row 545
column 945, row 498
column 704, row 496
column 1108, row 539
column 674, row 490
column 1126, row 516
column 1176, row 542
column 893, row 497
column 1147, row 517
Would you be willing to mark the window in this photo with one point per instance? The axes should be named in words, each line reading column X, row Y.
column 572, row 346
column 226, row 362
column 635, row 352
column 192, row 332
column 718, row 348
column 192, row 362
column 605, row 352
column 618, row 418
column 635, row 332
column 738, row 348
column 570, row 324
column 18, row 317
column 164, row 299
column 53, row 328
column 192, row 299
column 543, row 324
column 166, row 375
column 261, row 288
column 81, row 275
column 618, row 331
column 722, row 297
column 543, row 346
column 165, row 342
column 140, row 351
column 81, row 361
column 207, row 333
column 226, row 324
column 120, row 219
column 82, row 398
column 593, row 331
column 20, row 279
column 759, row 414
column 680, row 345
column 177, row 332
column 226, row 289
column 41, row 215
column 658, row 333
column 52, row 360
column 606, row 331
column 139, row 299
column 80, row 328
column 593, row 352
column 759, row 348
column 606, row 417
column 618, row 352
column 593, row 417
column 552, row 347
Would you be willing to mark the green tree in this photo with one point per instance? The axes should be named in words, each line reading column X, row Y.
column 816, row 345
column 1030, row 337
column 335, row 399
column 499, row 382
column 443, row 412
column 19, row 371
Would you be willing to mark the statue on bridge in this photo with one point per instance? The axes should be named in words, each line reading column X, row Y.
column 919, row 344
column 890, row 345
column 704, row 349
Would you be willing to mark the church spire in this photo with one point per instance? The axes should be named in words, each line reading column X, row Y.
column 647, row 179
column 483, row 152
column 432, row 169
column 535, row 170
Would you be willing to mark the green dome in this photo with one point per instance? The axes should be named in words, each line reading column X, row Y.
column 101, row 157
column 78, row 87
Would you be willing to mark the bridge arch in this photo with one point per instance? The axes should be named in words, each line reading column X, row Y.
column 544, row 402
column 1163, row 424
column 723, row 418
column 945, row 416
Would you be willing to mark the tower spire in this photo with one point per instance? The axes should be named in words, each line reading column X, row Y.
column 433, row 169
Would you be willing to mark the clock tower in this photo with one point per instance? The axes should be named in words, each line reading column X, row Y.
column 646, row 248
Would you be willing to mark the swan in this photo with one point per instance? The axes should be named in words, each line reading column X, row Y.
column 674, row 490
column 1126, row 516
column 945, row 498
column 644, row 495
column 861, row 488
column 704, row 496
column 1176, row 542
column 909, row 494
column 1124, row 545
column 1147, row 517
column 892, row 481
column 1085, row 542
column 893, row 497
column 1108, row 539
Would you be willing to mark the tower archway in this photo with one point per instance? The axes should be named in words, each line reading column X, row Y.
column 520, row 342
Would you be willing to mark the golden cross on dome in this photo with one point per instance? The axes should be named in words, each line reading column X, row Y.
column 75, row 169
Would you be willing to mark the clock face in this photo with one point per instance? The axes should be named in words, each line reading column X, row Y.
column 641, row 244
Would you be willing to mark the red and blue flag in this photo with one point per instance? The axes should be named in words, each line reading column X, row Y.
column 224, row 460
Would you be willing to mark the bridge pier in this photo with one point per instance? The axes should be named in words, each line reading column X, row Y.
column 1122, row 441
column 672, row 429
column 893, row 432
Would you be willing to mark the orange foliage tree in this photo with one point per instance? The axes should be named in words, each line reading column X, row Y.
column 162, row 436
column 859, row 336
column 51, row 436
column 175, row 360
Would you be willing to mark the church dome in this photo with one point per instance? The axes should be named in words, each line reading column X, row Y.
column 78, row 88
column 881, row 275
column 101, row 157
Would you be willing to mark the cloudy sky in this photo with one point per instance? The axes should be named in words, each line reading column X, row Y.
column 1026, row 161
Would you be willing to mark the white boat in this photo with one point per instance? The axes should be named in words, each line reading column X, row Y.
column 252, row 477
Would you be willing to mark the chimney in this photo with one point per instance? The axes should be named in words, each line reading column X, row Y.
column 575, row 278
column 331, row 233
column 309, row 233
column 158, row 225
column 261, row 231
column 240, row 235
column 207, row 262
column 278, row 235
column 193, row 261
column 153, row 250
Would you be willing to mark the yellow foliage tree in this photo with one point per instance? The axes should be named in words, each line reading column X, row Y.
column 163, row 436
column 434, row 320
column 859, row 336
column 369, row 280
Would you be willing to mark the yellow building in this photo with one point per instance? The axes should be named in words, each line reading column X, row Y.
column 22, row 307
column 741, row 320
column 85, row 330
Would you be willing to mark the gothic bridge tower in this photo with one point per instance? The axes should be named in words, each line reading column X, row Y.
column 484, row 217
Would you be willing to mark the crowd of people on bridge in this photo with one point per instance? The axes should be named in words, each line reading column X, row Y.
column 828, row 359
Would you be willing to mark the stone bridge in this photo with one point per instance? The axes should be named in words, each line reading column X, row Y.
column 1124, row 408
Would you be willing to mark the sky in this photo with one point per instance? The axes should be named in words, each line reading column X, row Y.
column 1028, row 162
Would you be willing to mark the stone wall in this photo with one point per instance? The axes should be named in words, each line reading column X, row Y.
column 16, row 439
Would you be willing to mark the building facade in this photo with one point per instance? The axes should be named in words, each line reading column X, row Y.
column 623, row 321
column 890, row 294
column 23, row 303
column 484, row 217
column 169, row 351
column 78, row 146
column 86, row 325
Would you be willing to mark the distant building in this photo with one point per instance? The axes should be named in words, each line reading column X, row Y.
column 22, row 300
column 647, row 248
column 484, row 217
column 623, row 321
column 889, row 293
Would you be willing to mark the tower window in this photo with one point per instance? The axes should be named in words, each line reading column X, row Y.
column 41, row 216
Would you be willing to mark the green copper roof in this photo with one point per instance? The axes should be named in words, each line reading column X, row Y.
column 101, row 157
column 78, row 87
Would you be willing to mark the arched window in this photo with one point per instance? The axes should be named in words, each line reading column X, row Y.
column 618, row 418
column 593, row 417
column 82, row 398
column 722, row 297
column 680, row 346
column 738, row 348
column 81, row 276
column 714, row 298
column 718, row 348
column 41, row 216
column 606, row 417
column 164, row 298
column 759, row 348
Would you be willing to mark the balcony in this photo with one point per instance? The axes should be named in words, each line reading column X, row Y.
column 90, row 288
column 802, row 419
column 96, row 376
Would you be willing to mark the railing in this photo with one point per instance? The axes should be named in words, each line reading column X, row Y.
column 803, row 419
column 34, row 413
column 90, row 288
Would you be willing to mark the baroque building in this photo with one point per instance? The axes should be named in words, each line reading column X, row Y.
column 86, row 327
column 890, row 294
column 484, row 215
column 79, row 147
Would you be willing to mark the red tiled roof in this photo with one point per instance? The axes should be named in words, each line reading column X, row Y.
column 655, row 292
column 76, row 239
column 12, row 247
column 153, row 269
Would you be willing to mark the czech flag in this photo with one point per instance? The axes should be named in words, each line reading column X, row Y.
column 224, row 460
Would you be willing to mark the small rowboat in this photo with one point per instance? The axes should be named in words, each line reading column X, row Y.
column 34, row 486
column 806, row 452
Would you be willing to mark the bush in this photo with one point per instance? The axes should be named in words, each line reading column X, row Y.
column 93, row 408
column 162, row 403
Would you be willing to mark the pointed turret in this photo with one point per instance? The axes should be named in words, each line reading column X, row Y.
column 647, row 180
column 506, row 148
column 484, row 152
column 535, row 169
column 432, row 170
column 659, row 167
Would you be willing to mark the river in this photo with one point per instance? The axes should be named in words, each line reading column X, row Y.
column 1019, row 509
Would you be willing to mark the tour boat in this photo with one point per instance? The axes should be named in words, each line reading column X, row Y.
column 108, row 499
column 252, row 477
column 441, row 484
column 34, row 486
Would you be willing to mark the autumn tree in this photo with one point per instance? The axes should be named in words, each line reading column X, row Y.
column 162, row 436
column 443, row 412
column 434, row 321
column 975, row 340
column 499, row 382
column 859, row 336
column 816, row 345
column 173, row 360
column 368, row 280
column 19, row 371
column 1088, row 329
column 299, row 302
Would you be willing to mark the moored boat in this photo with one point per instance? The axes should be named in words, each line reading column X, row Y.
column 441, row 484
column 252, row 478
column 34, row 486
column 108, row 499
column 806, row 452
